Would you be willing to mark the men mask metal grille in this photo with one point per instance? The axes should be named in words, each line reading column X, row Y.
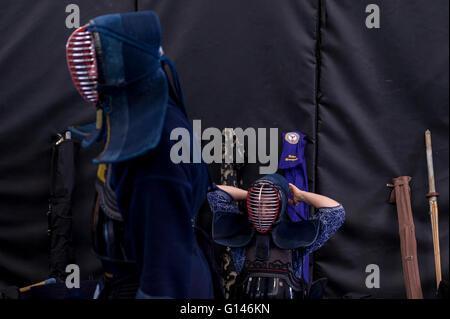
column 82, row 62
column 263, row 205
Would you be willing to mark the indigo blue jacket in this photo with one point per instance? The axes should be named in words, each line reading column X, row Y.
column 159, row 201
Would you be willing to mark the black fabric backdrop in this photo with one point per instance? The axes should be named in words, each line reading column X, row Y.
column 363, row 97
column 381, row 89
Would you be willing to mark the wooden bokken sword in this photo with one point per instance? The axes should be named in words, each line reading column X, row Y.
column 432, row 198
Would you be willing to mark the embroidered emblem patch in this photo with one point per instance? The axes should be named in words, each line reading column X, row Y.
column 292, row 138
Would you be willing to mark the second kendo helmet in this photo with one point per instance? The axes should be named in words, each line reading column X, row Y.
column 267, row 202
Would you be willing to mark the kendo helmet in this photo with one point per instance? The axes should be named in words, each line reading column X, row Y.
column 117, row 64
column 267, row 202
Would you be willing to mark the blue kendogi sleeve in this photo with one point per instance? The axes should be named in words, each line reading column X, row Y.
column 220, row 200
column 331, row 219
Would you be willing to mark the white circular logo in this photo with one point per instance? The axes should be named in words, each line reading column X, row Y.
column 292, row 138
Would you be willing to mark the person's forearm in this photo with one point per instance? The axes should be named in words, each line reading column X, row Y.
column 317, row 200
column 236, row 193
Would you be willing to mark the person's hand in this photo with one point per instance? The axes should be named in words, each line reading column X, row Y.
column 297, row 195
column 236, row 193
column 315, row 200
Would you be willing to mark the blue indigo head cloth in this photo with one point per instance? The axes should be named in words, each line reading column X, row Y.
column 293, row 164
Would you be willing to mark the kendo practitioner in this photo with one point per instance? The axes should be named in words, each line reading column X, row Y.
column 267, row 246
column 145, row 212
